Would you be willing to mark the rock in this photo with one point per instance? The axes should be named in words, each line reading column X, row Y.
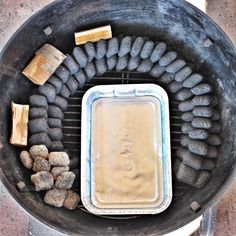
column 41, row 164
column 56, row 171
column 65, row 180
column 72, row 200
column 55, row 197
column 42, row 181
column 39, row 150
column 20, row 185
column 59, row 159
column 26, row 159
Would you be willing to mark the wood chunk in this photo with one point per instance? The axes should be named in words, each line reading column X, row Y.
column 93, row 35
column 20, row 116
column 44, row 64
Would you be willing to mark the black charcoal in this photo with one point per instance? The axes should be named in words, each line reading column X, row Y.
column 166, row 78
column 54, row 123
column 183, row 74
column 147, row 50
column 208, row 164
column 200, row 134
column 72, row 85
column 198, row 147
column 157, row 71
column 145, row 66
column 158, row 52
column 38, row 125
column 90, row 51
column 192, row 80
column 101, row 66
column 214, row 101
column 80, row 56
column 122, row 63
column 186, row 127
column 176, row 166
column 183, row 95
column 55, row 134
column 175, row 66
column 167, row 58
column 215, row 116
column 111, row 62
column 48, row 91
column 55, row 82
column 65, row 92
column 56, row 146
column 202, row 179
column 215, row 128
column 90, row 71
column 55, row 112
column 80, row 77
column 125, row 46
column 212, row 152
column 112, row 47
column 187, row 116
column 136, row 46
column 61, row 102
column 201, row 123
column 184, row 140
column 185, row 106
column 186, row 174
column 38, row 112
column 71, row 64
column 38, row 101
column 214, row 140
column 133, row 63
column 203, row 111
column 201, row 89
column 101, row 48
column 204, row 100
column 62, row 73
column 40, row 138
column 174, row 87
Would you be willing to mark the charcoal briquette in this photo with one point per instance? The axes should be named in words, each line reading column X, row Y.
column 192, row 80
column 55, row 82
column 38, row 125
column 125, row 46
column 112, row 47
column 204, row 100
column 201, row 123
column 203, row 111
column 156, row 71
column 71, row 64
column 186, row 127
column 184, row 140
column 175, row 66
column 186, row 174
column 136, row 47
column 80, row 77
column 215, row 116
column 201, row 89
column 185, row 106
column 212, row 152
column 122, row 63
column 65, row 92
column 180, row 152
column 202, row 179
column 54, row 123
column 101, row 48
column 101, row 66
column 133, row 63
column 176, row 166
column 214, row 101
column 187, row 116
column 38, row 112
column 80, row 56
column 166, row 78
column 38, row 101
column 111, row 62
column 184, row 94
column 61, row 102
column 40, row 138
column 56, row 146
column 167, row 58
column 90, row 51
column 145, row 66
column 62, row 73
column 183, row 74
column 158, row 52
column 208, row 164
column 72, row 84
column 200, row 134
column 90, row 71
column 198, row 147
column 55, row 134
column 48, row 91
column 55, row 112
column 214, row 140
column 215, row 128
column 147, row 49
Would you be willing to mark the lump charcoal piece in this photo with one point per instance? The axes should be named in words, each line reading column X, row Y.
column 175, row 66
column 133, row 63
column 61, row 102
column 72, row 85
column 185, row 106
column 59, row 159
column 156, row 71
column 55, row 197
column 54, row 123
column 215, row 128
column 111, row 62
column 56, row 83
column 48, row 91
column 208, row 164
column 200, row 134
column 174, row 87
column 65, row 92
column 38, row 112
column 101, row 66
column 80, row 57
column 186, row 128
column 201, row 89
column 204, row 100
column 183, row 74
column 62, row 73
column 202, row 179
column 122, row 63
column 65, row 180
column 72, row 200
column 38, row 101
column 187, row 116
column 203, row 111
column 183, row 94
column 71, row 64
column 112, row 47
column 186, row 174
column 101, row 49
column 184, row 140
column 42, row 181
column 55, row 134
column 166, row 78
column 125, row 46
column 215, row 116
column 147, row 50
column 192, row 80
column 90, row 51
column 158, row 52
column 41, row 164
column 167, row 58
column 80, row 77
column 40, row 138
column 198, row 147
column 212, row 152
column 26, row 159
column 56, row 171
column 136, row 47
column 145, row 66
column 90, row 71
column 39, row 151
column 56, row 146
column 201, row 123
column 55, row 112
column 38, row 125
column 214, row 140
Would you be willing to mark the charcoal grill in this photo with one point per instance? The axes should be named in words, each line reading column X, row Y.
column 185, row 29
